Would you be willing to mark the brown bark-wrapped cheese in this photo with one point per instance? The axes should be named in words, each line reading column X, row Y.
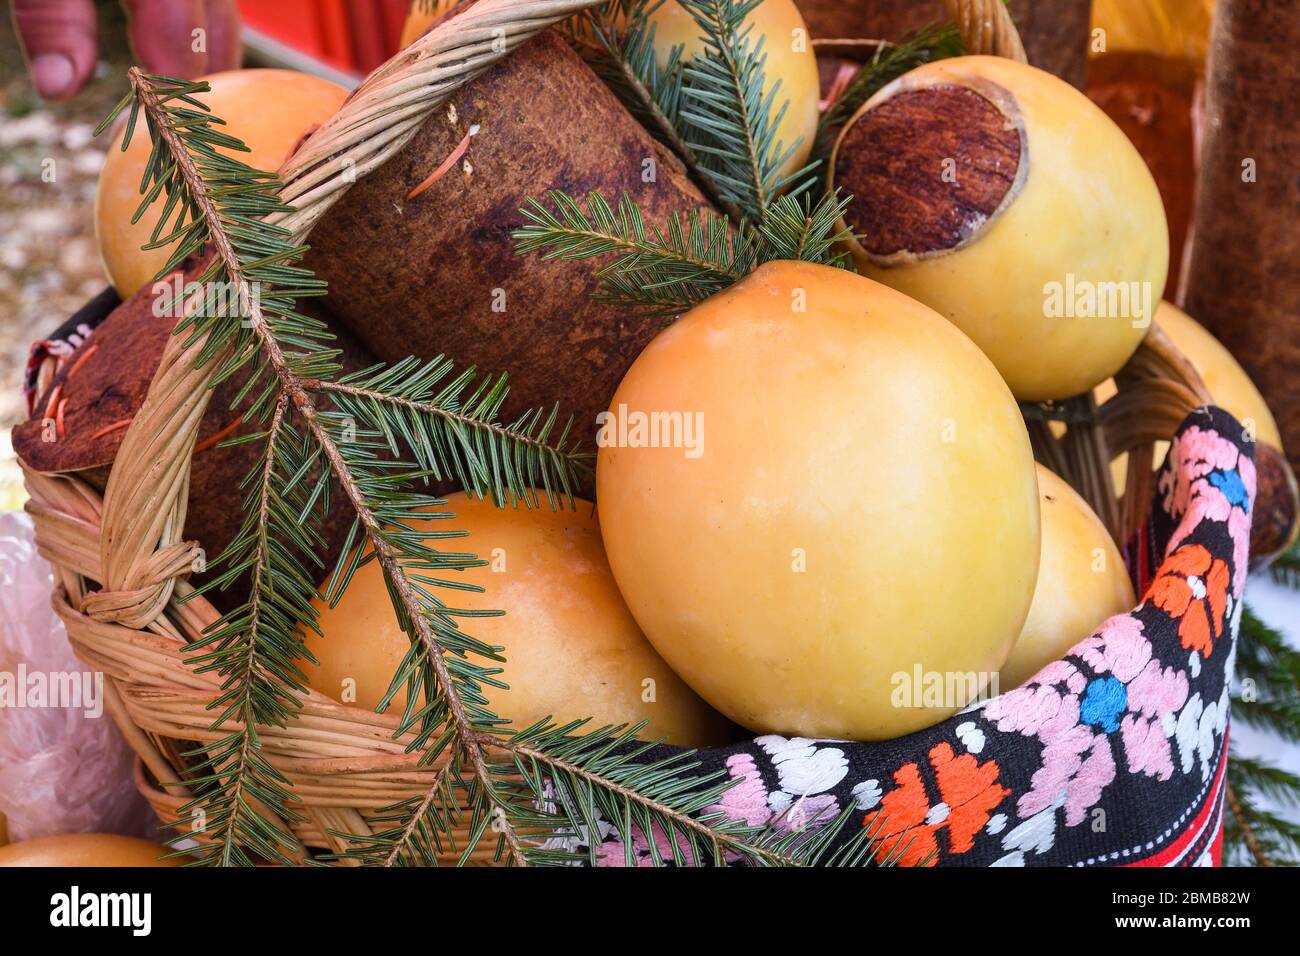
column 1054, row 32
column 436, row 272
column 1243, row 275
column 78, row 422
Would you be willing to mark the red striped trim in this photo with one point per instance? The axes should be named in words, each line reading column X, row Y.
column 1210, row 815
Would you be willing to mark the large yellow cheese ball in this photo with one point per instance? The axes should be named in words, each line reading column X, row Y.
column 572, row 648
column 1222, row 374
column 1226, row 380
column 85, row 850
column 790, row 61
column 1082, row 581
column 1003, row 198
column 270, row 110
column 847, row 503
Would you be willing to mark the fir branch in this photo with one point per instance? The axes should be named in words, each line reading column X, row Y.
column 795, row 229
column 255, row 649
column 255, row 646
column 662, row 271
column 728, row 113
column 617, row 42
column 1251, row 833
column 1286, row 567
column 455, row 430
column 606, row 781
column 668, row 271
column 1266, row 659
column 1281, row 786
column 1268, row 674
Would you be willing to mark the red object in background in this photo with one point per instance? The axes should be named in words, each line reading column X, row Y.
column 351, row 35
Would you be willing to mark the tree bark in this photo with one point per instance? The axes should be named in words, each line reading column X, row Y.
column 1243, row 276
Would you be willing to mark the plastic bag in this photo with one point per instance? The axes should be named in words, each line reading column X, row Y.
column 64, row 767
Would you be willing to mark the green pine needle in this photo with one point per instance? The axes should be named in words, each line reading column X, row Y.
column 730, row 114
column 1254, row 836
column 1268, row 698
column 670, row 270
column 661, row 271
column 1286, row 568
column 617, row 41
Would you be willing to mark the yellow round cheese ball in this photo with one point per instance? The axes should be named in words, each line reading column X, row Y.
column 85, row 850
column 1082, row 581
column 815, row 492
column 1223, row 375
column 1226, row 380
column 790, row 62
column 269, row 110
column 1003, row 198
column 572, row 648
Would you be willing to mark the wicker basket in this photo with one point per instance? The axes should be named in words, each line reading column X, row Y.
column 121, row 566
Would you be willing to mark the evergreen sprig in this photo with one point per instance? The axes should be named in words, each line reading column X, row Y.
column 214, row 201
column 888, row 63
column 729, row 112
column 1286, row 569
column 715, row 109
column 797, row 229
column 1270, row 668
column 658, row 270
column 1252, row 833
column 386, row 432
column 665, row 271
column 1267, row 698
column 571, row 785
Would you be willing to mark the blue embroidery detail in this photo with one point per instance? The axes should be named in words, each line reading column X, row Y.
column 1103, row 701
column 1229, row 482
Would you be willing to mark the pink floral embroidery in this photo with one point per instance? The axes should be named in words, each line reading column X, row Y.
column 611, row 853
column 747, row 800
column 1078, row 760
column 1189, row 492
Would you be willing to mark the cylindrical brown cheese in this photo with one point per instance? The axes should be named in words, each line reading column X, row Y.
column 437, row 273
column 1054, row 32
column 1243, row 276
column 80, row 419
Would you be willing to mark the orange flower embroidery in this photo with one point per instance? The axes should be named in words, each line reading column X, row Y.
column 1193, row 586
column 968, row 792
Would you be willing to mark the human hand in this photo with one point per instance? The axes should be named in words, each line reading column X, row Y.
column 183, row 38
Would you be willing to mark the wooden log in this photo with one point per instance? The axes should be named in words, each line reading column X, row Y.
column 1243, row 276
column 1055, row 32
column 434, row 271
